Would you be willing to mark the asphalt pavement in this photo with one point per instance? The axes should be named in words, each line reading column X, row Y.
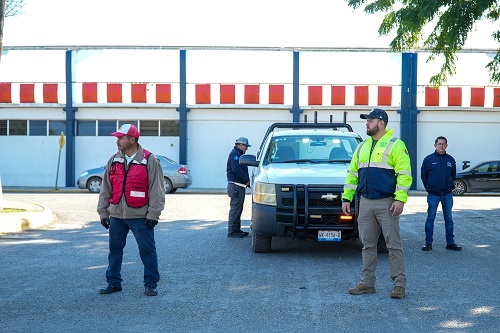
column 51, row 275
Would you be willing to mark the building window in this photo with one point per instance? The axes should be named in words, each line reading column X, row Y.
column 18, row 127
column 149, row 128
column 106, row 127
column 169, row 128
column 3, row 127
column 85, row 127
column 38, row 127
column 56, row 127
column 133, row 122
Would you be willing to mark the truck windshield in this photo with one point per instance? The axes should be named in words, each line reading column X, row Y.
column 314, row 149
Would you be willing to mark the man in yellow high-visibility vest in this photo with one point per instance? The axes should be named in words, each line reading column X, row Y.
column 380, row 172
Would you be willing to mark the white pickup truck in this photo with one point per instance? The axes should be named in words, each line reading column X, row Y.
column 297, row 183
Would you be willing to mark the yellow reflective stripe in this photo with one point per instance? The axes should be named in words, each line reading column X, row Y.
column 405, row 172
column 387, row 150
column 355, row 174
column 350, row 186
column 380, row 165
column 359, row 149
column 402, row 188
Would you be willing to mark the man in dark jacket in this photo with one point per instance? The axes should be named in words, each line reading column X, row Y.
column 237, row 182
column 438, row 173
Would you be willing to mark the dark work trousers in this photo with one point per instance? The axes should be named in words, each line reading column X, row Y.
column 237, row 195
column 145, row 239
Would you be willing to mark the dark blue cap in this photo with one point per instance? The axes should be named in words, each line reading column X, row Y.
column 376, row 114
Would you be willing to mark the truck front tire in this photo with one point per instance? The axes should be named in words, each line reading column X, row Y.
column 261, row 243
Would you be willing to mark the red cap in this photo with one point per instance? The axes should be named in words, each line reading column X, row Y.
column 127, row 129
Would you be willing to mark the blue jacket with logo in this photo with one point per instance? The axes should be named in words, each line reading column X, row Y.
column 438, row 173
column 234, row 170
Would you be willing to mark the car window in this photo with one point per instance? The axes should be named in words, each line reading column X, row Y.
column 315, row 148
column 488, row 167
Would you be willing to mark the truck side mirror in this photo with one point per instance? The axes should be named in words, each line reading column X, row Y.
column 249, row 160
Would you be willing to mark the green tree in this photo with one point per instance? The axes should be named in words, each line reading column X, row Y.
column 451, row 22
column 8, row 8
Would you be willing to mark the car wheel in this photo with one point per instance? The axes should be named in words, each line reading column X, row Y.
column 168, row 185
column 261, row 243
column 173, row 190
column 460, row 188
column 94, row 184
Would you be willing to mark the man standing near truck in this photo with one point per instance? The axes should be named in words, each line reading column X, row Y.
column 381, row 173
column 237, row 182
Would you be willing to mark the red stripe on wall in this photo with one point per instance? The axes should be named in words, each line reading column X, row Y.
column 114, row 92
column 50, row 93
column 89, row 92
column 454, row 96
column 5, row 92
column 27, row 93
column 252, row 93
column 138, row 93
column 276, row 94
column 431, row 96
column 315, row 95
column 496, row 97
column 203, row 94
column 361, row 95
column 477, row 96
column 227, row 94
column 163, row 93
column 338, row 95
column 384, row 95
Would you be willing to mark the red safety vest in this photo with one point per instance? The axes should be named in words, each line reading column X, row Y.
column 133, row 182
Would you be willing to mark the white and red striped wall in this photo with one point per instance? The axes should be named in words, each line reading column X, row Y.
column 252, row 94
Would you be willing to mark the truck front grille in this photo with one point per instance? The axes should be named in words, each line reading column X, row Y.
column 313, row 203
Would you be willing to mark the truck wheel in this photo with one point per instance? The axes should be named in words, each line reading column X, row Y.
column 261, row 243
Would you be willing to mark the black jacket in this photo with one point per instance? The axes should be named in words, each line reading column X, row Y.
column 234, row 171
column 438, row 173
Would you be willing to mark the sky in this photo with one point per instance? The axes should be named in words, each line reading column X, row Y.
column 299, row 23
column 256, row 23
column 192, row 22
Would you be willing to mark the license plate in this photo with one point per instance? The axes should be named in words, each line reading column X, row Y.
column 329, row 235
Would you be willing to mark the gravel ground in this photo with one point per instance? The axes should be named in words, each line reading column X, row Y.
column 210, row 283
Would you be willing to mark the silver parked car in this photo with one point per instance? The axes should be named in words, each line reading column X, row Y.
column 175, row 176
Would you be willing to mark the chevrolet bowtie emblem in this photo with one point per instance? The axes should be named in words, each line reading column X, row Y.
column 329, row 196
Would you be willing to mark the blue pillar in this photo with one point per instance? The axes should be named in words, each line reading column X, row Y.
column 70, row 123
column 183, row 110
column 296, row 110
column 408, row 112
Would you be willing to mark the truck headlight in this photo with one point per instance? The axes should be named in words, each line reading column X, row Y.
column 264, row 194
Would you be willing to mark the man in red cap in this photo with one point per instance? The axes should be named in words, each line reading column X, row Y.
column 132, row 197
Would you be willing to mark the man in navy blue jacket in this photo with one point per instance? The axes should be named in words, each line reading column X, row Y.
column 237, row 182
column 438, row 173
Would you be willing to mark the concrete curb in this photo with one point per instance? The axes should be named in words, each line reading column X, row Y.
column 33, row 217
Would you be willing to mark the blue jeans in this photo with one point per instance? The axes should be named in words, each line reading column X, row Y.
column 145, row 239
column 446, row 204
